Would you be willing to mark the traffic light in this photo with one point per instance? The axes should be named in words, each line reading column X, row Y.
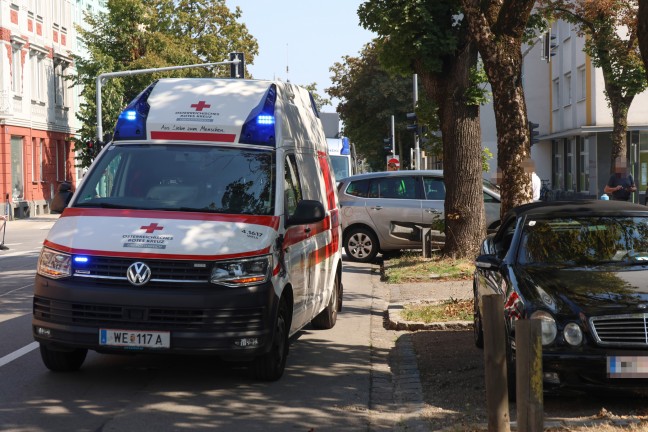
column 533, row 133
column 387, row 145
column 414, row 126
column 237, row 70
column 549, row 46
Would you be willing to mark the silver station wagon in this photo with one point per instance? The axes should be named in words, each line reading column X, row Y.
column 383, row 211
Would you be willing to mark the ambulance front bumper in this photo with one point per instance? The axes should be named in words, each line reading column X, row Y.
column 199, row 318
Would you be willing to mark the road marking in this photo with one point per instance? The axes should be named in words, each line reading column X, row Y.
column 10, row 254
column 17, row 289
column 18, row 353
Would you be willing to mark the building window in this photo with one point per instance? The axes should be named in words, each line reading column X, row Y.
column 570, row 164
column 583, row 165
column 34, row 159
column 557, row 166
column 40, row 159
column 17, row 168
column 59, row 86
column 16, row 69
column 37, row 76
column 556, row 94
column 582, row 83
column 568, row 89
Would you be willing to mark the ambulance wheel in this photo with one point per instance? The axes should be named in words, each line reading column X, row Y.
column 361, row 245
column 328, row 317
column 63, row 361
column 271, row 365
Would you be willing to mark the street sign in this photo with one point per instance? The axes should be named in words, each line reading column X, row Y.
column 393, row 164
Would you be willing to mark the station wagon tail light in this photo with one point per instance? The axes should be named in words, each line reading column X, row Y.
column 243, row 272
column 573, row 334
column 548, row 328
column 54, row 264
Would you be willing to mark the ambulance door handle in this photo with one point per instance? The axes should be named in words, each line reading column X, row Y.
column 307, row 230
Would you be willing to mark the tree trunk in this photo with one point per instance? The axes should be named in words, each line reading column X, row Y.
column 461, row 135
column 642, row 32
column 497, row 28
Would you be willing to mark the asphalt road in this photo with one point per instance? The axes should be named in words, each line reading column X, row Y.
column 326, row 386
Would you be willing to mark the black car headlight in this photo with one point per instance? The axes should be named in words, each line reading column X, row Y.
column 548, row 330
column 573, row 334
column 54, row 264
column 242, row 272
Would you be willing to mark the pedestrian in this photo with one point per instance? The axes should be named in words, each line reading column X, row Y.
column 621, row 184
column 536, row 183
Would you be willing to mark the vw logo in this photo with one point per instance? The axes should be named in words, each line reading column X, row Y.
column 138, row 273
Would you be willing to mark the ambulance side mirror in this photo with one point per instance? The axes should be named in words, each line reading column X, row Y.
column 307, row 211
column 61, row 198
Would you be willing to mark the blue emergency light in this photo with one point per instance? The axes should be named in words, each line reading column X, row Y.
column 131, row 123
column 346, row 147
column 259, row 126
column 81, row 259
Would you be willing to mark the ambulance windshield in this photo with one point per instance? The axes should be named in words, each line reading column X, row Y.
column 181, row 178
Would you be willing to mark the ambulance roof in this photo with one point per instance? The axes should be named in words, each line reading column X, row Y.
column 218, row 110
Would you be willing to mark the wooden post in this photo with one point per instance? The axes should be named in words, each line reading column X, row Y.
column 528, row 362
column 426, row 238
column 495, row 363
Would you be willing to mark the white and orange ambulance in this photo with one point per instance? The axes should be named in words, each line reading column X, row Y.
column 209, row 224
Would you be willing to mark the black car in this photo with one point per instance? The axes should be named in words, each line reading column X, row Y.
column 581, row 267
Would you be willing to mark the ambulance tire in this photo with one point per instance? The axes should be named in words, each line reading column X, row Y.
column 361, row 245
column 62, row 361
column 271, row 365
column 327, row 318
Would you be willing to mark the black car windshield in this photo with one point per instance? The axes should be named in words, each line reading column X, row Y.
column 584, row 241
column 181, row 177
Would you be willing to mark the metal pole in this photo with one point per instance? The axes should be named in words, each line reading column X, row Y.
column 106, row 75
column 393, row 137
column 417, row 149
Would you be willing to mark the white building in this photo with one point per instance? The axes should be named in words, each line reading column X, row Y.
column 565, row 96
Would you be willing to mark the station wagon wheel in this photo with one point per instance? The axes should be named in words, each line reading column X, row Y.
column 271, row 365
column 62, row 361
column 361, row 245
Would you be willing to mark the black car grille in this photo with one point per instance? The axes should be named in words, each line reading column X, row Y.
column 161, row 270
column 221, row 320
column 621, row 330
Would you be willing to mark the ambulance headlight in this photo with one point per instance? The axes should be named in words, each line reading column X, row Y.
column 242, row 272
column 54, row 264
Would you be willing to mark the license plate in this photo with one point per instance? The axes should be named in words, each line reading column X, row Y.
column 627, row 367
column 134, row 339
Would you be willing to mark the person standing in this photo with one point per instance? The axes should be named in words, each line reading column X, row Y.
column 536, row 184
column 621, row 184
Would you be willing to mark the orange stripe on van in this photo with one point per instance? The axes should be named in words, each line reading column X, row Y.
column 269, row 221
column 193, row 136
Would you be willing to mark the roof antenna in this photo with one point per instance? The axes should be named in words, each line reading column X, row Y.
column 287, row 79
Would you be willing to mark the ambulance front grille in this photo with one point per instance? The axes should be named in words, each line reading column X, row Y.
column 160, row 318
column 161, row 270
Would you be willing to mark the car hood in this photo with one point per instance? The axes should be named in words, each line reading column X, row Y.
column 599, row 291
column 161, row 234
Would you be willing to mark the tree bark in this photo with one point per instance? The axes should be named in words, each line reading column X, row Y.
column 461, row 136
column 497, row 28
column 642, row 32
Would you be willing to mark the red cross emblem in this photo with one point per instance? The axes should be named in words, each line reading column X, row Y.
column 200, row 105
column 151, row 228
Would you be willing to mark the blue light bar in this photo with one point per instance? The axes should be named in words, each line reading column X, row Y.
column 81, row 259
column 259, row 125
column 131, row 123
column 346, row 147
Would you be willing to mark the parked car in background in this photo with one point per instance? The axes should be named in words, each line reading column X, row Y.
column 581, row 268
column 383, row 211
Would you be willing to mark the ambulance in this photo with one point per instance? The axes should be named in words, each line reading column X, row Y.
column 208, row 225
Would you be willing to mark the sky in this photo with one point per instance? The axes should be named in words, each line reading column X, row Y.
column 305, row 36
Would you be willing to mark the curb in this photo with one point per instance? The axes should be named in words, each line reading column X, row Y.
column 395, row 322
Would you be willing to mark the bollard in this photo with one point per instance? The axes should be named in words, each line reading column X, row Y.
column 495, row 363
column 528, row 368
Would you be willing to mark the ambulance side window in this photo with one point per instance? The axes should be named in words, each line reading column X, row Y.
column 292, row 186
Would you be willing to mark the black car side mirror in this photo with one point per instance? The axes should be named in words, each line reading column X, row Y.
column 488, row 262
column 307, row 211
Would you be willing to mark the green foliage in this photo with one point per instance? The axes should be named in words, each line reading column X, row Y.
column 320, row 101
column 145, row 34
column 478, row 93
column 369, row 96
column 486, row 156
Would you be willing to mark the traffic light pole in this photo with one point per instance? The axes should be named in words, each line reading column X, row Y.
column 417, row 149
column 393, row 136
column 105, row 76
